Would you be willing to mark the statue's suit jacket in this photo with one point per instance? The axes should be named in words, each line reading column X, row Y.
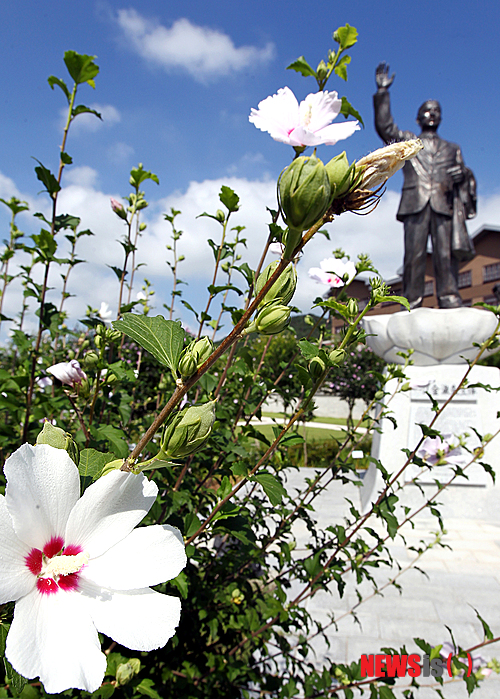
column 426, row 177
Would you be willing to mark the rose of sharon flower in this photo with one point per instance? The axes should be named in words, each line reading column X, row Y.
column 307, row 124
column 332, row 272
column 76, row 565
column 437, row 451
column 105, row 313
column 69, row 373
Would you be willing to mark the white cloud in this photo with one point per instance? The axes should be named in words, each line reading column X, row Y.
column 83, row 175
column 120, row 152
column 378, row 234
column 203, row 52
column 90, row 122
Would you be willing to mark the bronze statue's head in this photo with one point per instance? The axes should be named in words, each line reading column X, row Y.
column 429, row 115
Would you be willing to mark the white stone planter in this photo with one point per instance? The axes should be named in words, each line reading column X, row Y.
column 437, row 335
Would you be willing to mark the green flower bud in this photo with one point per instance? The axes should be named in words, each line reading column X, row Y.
column 112, row 466
column 126, row 671
column 272, row 318
column 321, row 70
column 188, row 430
column 316, row 368
column 58, row 438
column 194, row 355
column 187, row 364
column 110, row 378
column 304, row 192
column 340, row 174
column 352, row 308
column 220, row 216
column 336, row 356
column 90, row 360
column 84, row 388
column 283, row 288
column 99, row 341
column 114, row 336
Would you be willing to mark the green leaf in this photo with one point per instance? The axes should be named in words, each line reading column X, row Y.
column 348, row 110
column 46, row 244
column 302, row 67
column 16, row 681
column 272, row 487
column 82, row 109
column 47, row 178
column 104, row 692
column 115, row 437
column 395, row 299
column 4, row 630
column 229, row 198
column 345, row 36
column 488, row 634
column 146, row 687
column 92, row 462
column 66, row 159
column 138, row 175
column 164, row 339
column 81, row 67
column 308, row 349
column 341, row 67
column 52, row 80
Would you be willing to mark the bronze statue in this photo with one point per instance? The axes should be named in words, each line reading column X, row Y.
column 439, row 194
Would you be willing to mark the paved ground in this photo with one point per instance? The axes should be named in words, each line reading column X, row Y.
column 458, row 579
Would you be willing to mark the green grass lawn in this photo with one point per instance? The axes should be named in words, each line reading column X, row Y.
column 313, row 434
column 326, row 420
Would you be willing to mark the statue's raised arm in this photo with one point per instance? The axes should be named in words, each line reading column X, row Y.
column 382, row 76
column 384, row 122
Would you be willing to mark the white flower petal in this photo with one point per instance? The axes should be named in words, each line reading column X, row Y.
column 137, row 619
column 337, row 132
column 319, row 109
column 42, row 487
column 16, row 580
column 147, row 556
column 53, row 637
column 277, row 114
column 108, row 511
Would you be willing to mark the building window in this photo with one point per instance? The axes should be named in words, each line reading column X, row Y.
column 467, row 303
column 465, row 279
column 492, row 300
column 429, row 288
column 491, row 272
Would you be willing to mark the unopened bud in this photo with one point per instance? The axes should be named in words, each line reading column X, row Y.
column 90, row 360
column 126, row 671
column 188, row 430
column 304, row 194
column 283, row 288
column 58, row 438
column 316, row 368
column 352, row 308
column 340, row 174
column 114, row 465
column 336, row 356
column 194, row 356
column 118, row 208
column 220, row 216
column 272, row 318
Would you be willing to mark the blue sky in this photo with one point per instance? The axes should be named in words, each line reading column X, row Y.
column 176, row 86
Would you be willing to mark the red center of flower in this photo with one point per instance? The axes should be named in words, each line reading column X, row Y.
column 52, row 573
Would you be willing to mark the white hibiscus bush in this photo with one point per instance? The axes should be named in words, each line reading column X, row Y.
column 146, row 527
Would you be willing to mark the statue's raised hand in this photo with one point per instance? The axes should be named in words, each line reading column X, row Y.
column 382, row 76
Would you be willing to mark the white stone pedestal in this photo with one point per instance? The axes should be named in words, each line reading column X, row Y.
column 473, row 407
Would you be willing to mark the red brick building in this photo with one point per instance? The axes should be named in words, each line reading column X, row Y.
column 477, row 278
